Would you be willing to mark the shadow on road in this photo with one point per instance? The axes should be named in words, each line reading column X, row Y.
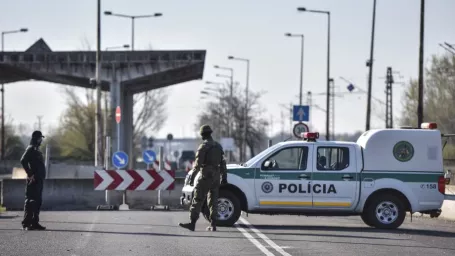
column 195, row 234
column 107, row 223
column 422, row 232
column 7, row 217
column 198, row 233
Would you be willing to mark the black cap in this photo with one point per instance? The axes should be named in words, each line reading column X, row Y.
column 37, row 134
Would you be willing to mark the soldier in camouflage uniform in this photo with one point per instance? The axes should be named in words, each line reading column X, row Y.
column 210, row 162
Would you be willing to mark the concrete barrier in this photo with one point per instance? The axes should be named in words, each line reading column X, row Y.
column 78, row 194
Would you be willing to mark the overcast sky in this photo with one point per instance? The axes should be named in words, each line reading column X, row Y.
column 246, row 29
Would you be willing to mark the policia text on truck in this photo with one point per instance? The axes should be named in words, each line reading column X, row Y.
column 383, row 175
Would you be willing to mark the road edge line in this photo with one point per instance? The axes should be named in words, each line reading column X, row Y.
column 254, row 241
column 265, row 238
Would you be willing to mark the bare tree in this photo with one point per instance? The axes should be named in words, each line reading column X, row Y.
column 439, row 98
column 13, row 143
column 221, row 108
column 75, row 136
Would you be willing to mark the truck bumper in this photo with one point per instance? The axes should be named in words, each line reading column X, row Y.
column 449, row 197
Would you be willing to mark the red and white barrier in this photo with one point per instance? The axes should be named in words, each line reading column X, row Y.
column 135, row 179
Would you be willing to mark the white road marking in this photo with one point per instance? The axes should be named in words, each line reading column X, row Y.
column 254, row 241
column 265, row 238
column 282, row 247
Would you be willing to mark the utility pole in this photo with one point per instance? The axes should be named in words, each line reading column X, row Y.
column 422, row 29
column 370, row 65
column 332, row 109
column 98, row 128
column 39, row 122
column 389, row 103
column 271, row 126
column 309, row 102
column 282, row 125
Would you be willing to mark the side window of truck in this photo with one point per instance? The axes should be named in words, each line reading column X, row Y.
column 332, row 158
column 290, row 159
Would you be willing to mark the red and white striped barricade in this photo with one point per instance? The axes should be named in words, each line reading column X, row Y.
column 135, row 179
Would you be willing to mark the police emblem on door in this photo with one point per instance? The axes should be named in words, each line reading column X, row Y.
column 403, row 151
column 267, row 187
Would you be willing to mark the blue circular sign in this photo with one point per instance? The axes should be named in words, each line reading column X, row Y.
column 120, row 159
column 149, row 156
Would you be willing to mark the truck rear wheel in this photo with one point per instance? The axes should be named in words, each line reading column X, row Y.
column 228, row 209
column 386, row 211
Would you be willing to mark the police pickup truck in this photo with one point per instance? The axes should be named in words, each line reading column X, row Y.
column 383, row 175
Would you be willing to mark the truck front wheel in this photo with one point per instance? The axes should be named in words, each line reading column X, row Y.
column 386, row 211
column 228, row 209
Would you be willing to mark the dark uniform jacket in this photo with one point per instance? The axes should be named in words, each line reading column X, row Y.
column 33, row 162
column 210, row 160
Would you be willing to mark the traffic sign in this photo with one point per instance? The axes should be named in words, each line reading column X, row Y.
column 149, row 156
column 120, row 159
column 118, row 114
column 301, row 113
column 300, row 128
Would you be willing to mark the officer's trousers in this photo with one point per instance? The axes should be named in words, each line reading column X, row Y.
column 33, row 201
column 206, row 187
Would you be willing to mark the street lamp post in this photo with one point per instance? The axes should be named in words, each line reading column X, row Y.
column 246, row 103
column 230, row 100
column 215, row 94
column 22, row 30
column 302, row 9
column 301, row 63
column 133, row 18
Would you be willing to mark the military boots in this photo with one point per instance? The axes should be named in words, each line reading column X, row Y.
column 191, row 225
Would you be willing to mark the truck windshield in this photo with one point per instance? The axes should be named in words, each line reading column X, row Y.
column 260, row 155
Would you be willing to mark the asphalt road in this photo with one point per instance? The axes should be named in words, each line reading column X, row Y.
column 156, row 233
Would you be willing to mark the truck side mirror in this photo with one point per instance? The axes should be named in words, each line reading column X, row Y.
column 267, row 164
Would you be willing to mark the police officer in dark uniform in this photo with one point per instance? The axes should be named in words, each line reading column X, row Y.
column 212, row 165
column 33, row 163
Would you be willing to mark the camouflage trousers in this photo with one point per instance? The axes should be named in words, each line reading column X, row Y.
column 206, row 187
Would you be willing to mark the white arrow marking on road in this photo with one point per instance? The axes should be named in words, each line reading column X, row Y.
column 151, row 159
column 265, row 238
column 301, row 113
column 167, row 180
column 121, row 160
column 107, row 180
column 127, row 180
column 147, row 180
